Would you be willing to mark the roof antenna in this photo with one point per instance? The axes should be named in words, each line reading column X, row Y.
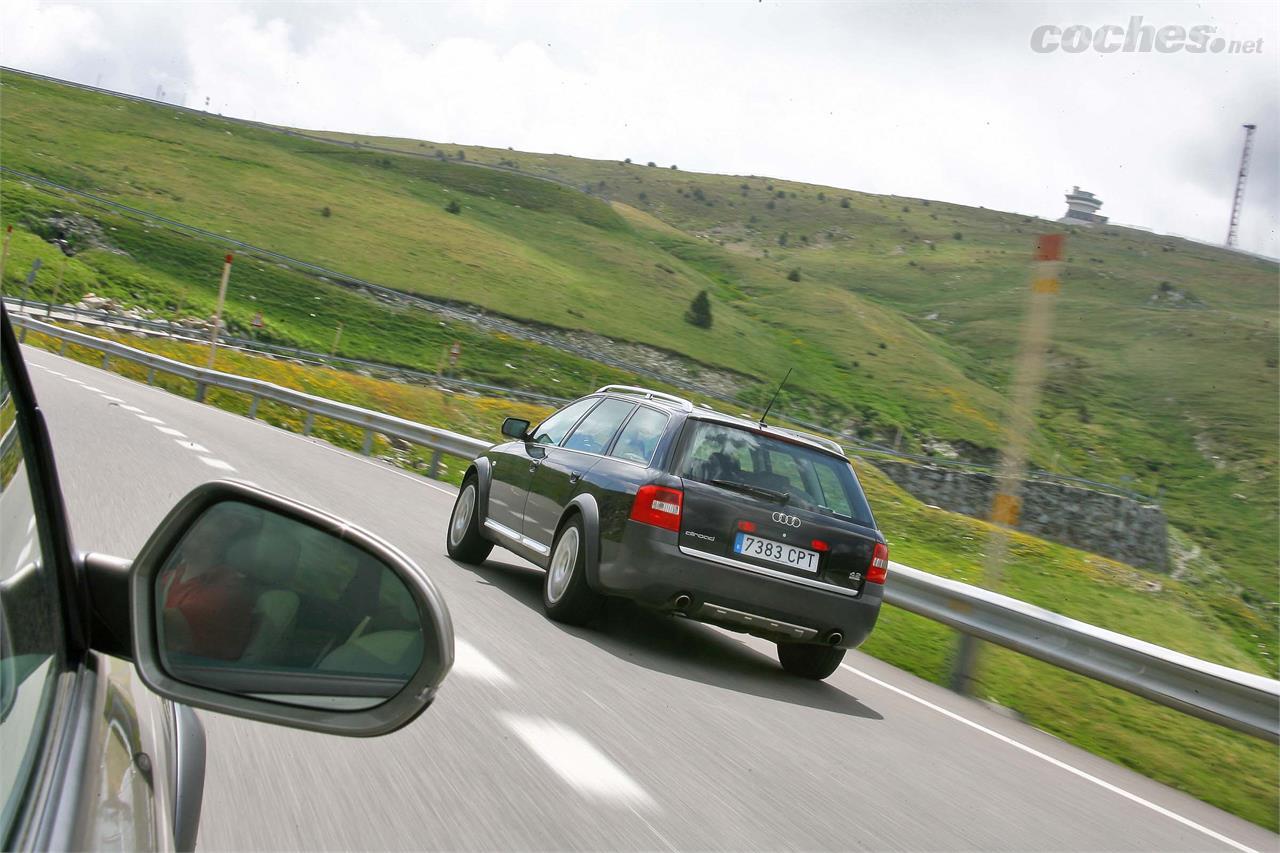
column 775, row 395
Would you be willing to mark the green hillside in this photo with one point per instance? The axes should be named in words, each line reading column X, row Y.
column 897, row 314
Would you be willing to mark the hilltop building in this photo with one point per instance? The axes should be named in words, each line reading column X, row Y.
column 1082, row 208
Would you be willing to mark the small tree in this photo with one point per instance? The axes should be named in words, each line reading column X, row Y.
column 326, row 212
column 699, row 313
column 627, row 161
column 957, row 236
column 453, row 207
column 673, row 167
column 794, row 275
column 822, row 196
column 462, row 155
column 651, row 164
column 844, row 202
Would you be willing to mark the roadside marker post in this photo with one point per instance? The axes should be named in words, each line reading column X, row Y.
column 4, row 253
column 337, row 336
column 62, row 272
column 1006, row 506
column 30, row 280
column 217, row 314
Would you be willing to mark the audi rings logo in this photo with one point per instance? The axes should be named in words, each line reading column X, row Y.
column 788, row 520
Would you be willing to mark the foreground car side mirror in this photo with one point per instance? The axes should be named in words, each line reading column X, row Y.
column 250, row 604
column 516, row 428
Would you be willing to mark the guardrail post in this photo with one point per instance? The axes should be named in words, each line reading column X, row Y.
column 434, row 470
column 253, row 407
column 963, row 665
column 62, row 347
column 22, row 334
column 200, row 389
column 367, row 447
column 151, row 376
column 309, row 423
column 106, row 360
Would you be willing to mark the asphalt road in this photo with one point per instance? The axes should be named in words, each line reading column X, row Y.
column 646, row 733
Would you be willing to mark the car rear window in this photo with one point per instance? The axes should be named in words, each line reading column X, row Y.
column 809, row 478
column 640, row 436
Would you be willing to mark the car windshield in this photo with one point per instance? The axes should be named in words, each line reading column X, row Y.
column 730, row 457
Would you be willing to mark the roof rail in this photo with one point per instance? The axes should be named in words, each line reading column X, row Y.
column 648, row 394
column 828, row 443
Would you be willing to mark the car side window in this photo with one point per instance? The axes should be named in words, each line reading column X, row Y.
column 31, row 650
column 597, row 429
column 554, row 428
column 639, row 438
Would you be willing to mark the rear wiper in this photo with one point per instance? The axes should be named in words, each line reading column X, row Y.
column 758, row 491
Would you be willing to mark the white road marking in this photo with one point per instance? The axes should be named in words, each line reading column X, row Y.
column 133, row 409
column 470, row 662
column 1055, row 762
column 575, row 760
column 91, row 388
column 191, row 445
column 171, row 431
column 111, row 399
column 72, row 379
column 149, row 419
column 216, row 463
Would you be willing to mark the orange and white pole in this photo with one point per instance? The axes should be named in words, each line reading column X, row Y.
column 4, row 253
column 1019, row 427
column 217, row 313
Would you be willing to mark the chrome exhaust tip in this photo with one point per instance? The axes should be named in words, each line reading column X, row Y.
column 834, row 638
column 683, row 600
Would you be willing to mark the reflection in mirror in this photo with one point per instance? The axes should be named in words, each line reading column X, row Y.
column 260, row 604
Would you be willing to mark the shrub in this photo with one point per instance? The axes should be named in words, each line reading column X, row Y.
column 822, row 196
column 453, row 207
column 844, row 202
column 699, row 313
column 780, row 194
column 957, row 236
column 906, row 209
column 627, row 161
column 769, row 204
column 462, row 155
column 643, row 196
column 651, row 163
column 794, row 275
column 673, row 166
column 782, row 238
column 326, row 212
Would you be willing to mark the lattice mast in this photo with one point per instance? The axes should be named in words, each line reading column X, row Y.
column 1240, row 179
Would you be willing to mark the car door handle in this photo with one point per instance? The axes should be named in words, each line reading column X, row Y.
column 574, row 477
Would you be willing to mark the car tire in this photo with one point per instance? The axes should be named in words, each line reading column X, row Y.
column 809, row 660
column 462, row 537
column 566, row 596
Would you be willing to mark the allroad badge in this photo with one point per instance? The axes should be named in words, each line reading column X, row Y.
column 788, row 520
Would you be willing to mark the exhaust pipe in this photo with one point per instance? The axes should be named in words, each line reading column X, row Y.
column 683, row 600
column 834, row 638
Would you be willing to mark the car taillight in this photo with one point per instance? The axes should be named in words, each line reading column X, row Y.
column 879, row 564
column 747, row 526
column 659, row 506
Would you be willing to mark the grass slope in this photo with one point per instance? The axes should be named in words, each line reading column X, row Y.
column 905, row 314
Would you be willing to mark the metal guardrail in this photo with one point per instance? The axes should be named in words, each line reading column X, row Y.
column 439, row 441
column 1239, row 700
column 176, row 331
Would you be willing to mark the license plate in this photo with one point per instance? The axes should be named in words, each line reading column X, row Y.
column 776, row 552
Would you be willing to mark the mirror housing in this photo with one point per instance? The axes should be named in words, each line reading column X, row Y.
column 517, row 428
column 151, row 654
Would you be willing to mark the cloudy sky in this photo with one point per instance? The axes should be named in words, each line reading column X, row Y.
column 937, row 100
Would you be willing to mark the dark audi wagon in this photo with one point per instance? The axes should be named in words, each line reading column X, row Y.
column 634, row 493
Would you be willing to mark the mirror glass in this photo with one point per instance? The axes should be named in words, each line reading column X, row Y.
column 515, row 428
column 264, row 605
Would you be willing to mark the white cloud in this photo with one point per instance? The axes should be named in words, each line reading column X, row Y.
column 933, row 100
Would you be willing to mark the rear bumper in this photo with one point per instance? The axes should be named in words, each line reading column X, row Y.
column 650, row 568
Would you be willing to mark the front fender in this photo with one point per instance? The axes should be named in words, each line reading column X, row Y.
column 483, row 468
column 586, row 506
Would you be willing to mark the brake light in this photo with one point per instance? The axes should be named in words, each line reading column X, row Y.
column 819, row 545
column 879, row 564
column 747, row 526
column 658, row 506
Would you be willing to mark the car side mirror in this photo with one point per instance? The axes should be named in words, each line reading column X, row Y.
column 250, row 604
column 516, row 428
